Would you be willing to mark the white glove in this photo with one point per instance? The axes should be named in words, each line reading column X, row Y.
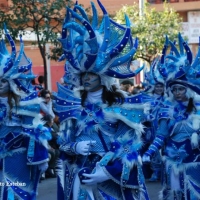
column 98, row 176
column 84, row 147
column 146, row 158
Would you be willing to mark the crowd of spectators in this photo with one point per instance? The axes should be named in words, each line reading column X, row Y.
column 129, row 87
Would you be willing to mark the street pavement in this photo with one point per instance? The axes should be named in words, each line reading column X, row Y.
column 47, row 189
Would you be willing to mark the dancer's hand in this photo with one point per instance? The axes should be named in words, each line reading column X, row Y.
column 84, row 147
column 98, row 176
column 146, row 158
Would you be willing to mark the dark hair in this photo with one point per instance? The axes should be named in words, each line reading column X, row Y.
column 33, row 82
column 108, row 96
column 190, row 106
column 47, row 118
column 11, row 96
column 41, row 79
column 44, row 92
column 127, row 82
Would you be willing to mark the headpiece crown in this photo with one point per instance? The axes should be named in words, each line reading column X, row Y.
column 106, row 50
column 178, row 65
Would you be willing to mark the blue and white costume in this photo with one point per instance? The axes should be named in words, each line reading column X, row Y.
column 178, row 130
column 22, row 135
column 117, row 146
column 116, row 129
column 154, row 86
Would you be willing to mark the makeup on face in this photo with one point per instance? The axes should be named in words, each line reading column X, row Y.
column 4, row 86
column 91, row 82
column 179, row 92
column 159, row 89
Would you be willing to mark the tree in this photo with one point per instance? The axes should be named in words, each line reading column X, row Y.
column 151, row 28
column 43, row 17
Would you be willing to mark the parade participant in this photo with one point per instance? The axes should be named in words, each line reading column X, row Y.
column 100, row 130
column 22, row 136
column 154, row 86
column 179, row 124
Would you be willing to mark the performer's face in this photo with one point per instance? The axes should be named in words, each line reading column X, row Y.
column 179, row 92
column 47, row 97
column 159, row 89
column 4, row 86
column 91, row 82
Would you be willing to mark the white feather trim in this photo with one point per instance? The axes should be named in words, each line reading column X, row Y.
column 24, row 112
column 135, row 106
column 140, row 160
column 196, row 98
column 60, row 171
column 107, row 81
column 129, row 164
column 37, row 120
column 196, row 122
column 76, row 91
column 190, row 93
column 194, row 140
column 30, row 102
column 137, row 126
column 173, row 165
column 147, row 107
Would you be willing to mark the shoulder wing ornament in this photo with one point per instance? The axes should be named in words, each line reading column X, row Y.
column 66, row 105
column 132, row 112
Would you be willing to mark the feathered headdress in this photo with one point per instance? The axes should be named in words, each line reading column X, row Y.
column 16, row 67
column 106, row 50
column 178, row 66
column 153, row 77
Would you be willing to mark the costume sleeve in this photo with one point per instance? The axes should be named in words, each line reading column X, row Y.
column 122, row 163
column 66, row 138
column 37, row 135
column 68, row 148
column 36, row 152
column 159, row 140
column 47, row 108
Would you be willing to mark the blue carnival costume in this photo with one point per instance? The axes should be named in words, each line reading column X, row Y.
column 22, row 136
column 178, row 129
column 153, row 81
column 107, row 51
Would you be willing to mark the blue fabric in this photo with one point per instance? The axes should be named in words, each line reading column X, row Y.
column 105, row 196
column 21, row 173
column 156, row 145
column 60, row 194
column 115, row 169
column 40, row 153
column 180, row 155
column 3, row 112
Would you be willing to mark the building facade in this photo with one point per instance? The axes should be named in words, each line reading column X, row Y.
column 189, row 10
